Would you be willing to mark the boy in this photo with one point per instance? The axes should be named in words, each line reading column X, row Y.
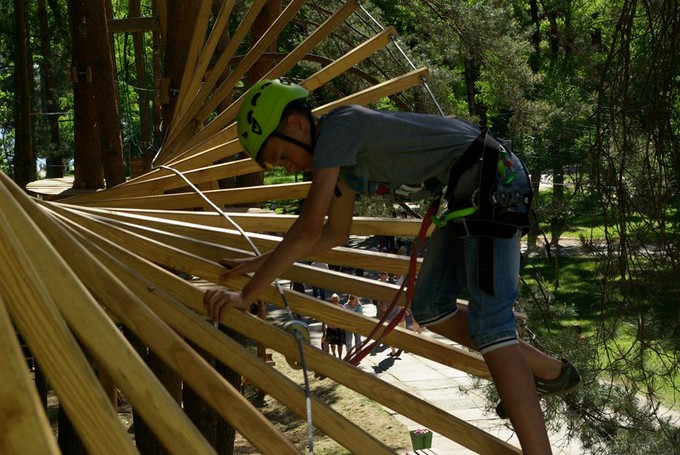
column 353, row 149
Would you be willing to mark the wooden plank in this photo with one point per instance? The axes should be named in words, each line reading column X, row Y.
column 220, row 197
column 325, row 29
column 364, row 383
column 258, row 222
column 133, row 24
column 34, row 311
column 170, row 348
column 187, row 164
column 350, row 59
column 188, row 238
column 215, row 243
column 238, row 358
column 56, row 188
column 379, row 91
column 202, row 142
column 191, row 61
column 176, row 259
column 219, row 68
column 374, row 388
column 254, row 53
column 103, row 339
column 25, row 428
column 192, row 82
column 166, row 180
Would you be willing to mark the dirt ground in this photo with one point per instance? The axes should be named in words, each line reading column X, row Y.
column 365, row 413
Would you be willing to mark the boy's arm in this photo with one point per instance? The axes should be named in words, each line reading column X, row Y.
column 307, row 235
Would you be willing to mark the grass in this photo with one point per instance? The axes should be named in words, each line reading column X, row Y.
column 639, row 331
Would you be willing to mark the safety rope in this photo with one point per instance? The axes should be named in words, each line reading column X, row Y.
column 357, row 354
column 292, row 326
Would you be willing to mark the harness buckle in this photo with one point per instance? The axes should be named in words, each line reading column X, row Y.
column 462, row 228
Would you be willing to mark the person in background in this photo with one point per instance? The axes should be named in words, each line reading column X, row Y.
column 317, row 292
column 352, row 338
column 335, row 336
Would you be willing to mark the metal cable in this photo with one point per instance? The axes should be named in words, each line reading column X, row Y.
column 296, row 333
column 394, row 40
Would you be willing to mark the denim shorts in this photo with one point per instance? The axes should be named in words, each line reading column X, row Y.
column 450, row 267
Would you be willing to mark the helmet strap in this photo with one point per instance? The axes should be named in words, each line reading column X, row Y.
column 312, row 129
column 294, row 141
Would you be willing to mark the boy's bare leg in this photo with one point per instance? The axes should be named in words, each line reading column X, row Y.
column 515, row 384
column 541, row 364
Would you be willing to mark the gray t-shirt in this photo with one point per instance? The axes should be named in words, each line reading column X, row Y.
column 390, row 147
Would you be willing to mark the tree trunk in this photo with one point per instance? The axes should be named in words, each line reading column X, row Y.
column 157, row 71
column 68, row 440
column 97, row 118
column 471, row 76
column 532, row 236
column 55, row 166
column 269, row 13
column 24, row 153
column 89, row 172
column 145, row 141
column 226, row 434
column 146, row 441
column 103, row 78
column 535, row 63
column 180, row 28
column 557, row 221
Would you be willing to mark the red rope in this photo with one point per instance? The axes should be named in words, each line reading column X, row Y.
column 356, row 355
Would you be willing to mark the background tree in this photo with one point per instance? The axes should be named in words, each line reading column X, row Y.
column 50, row 97
column 24, row 154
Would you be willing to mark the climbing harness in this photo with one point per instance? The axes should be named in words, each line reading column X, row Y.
column 293, row 326
column 498, row 208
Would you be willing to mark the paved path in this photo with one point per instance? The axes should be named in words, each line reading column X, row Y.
column 446, row 388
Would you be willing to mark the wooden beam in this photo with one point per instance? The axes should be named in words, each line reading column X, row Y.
column 130, row 268
column 227, row 116
column 218, row 69
column 192, row 58
column 376, row 92
column 350, row 59
column 161, row 252
column 25, row 429
column 33, row 308
column 192, row 85
column 220, row 197
column 133, row 24
column 199, row 160
column 364, row 383
column 229, row 243
column 170, row 348
column 258, row 222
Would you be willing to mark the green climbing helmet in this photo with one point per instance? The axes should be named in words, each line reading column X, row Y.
column 261, row 111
